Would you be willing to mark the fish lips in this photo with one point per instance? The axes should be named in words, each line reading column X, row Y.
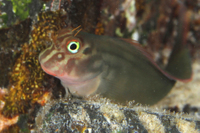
column 56, row 72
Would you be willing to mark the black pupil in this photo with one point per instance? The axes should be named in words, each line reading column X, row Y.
column 73, row 46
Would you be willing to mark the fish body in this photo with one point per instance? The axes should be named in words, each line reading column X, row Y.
column 118, row 69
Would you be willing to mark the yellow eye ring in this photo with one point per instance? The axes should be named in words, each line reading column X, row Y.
column 73, row 46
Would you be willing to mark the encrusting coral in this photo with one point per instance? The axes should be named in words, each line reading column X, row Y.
column 27, row 77
column 27, row 81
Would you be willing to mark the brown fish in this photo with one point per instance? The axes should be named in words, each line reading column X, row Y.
column 118, row 69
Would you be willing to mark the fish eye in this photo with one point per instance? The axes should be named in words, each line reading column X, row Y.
column 73, row 46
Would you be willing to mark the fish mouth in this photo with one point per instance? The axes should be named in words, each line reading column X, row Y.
column 48, row 72
column 51, row 72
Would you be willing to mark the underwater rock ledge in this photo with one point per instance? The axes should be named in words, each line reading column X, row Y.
column 102, row 116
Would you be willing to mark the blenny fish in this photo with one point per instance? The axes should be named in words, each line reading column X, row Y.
column 115, row 68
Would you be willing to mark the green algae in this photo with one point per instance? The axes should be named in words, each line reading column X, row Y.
column 20, row 8
column 4, row 19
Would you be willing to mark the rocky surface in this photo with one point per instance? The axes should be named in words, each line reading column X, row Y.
column 102, row 116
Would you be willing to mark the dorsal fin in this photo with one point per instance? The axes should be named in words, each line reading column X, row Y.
column 184, row 57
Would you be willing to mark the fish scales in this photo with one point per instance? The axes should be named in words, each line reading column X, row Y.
column 115, row 68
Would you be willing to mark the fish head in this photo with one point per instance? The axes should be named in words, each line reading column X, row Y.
column 73, row 60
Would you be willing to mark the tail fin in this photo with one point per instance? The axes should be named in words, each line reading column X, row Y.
column 179, row 64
